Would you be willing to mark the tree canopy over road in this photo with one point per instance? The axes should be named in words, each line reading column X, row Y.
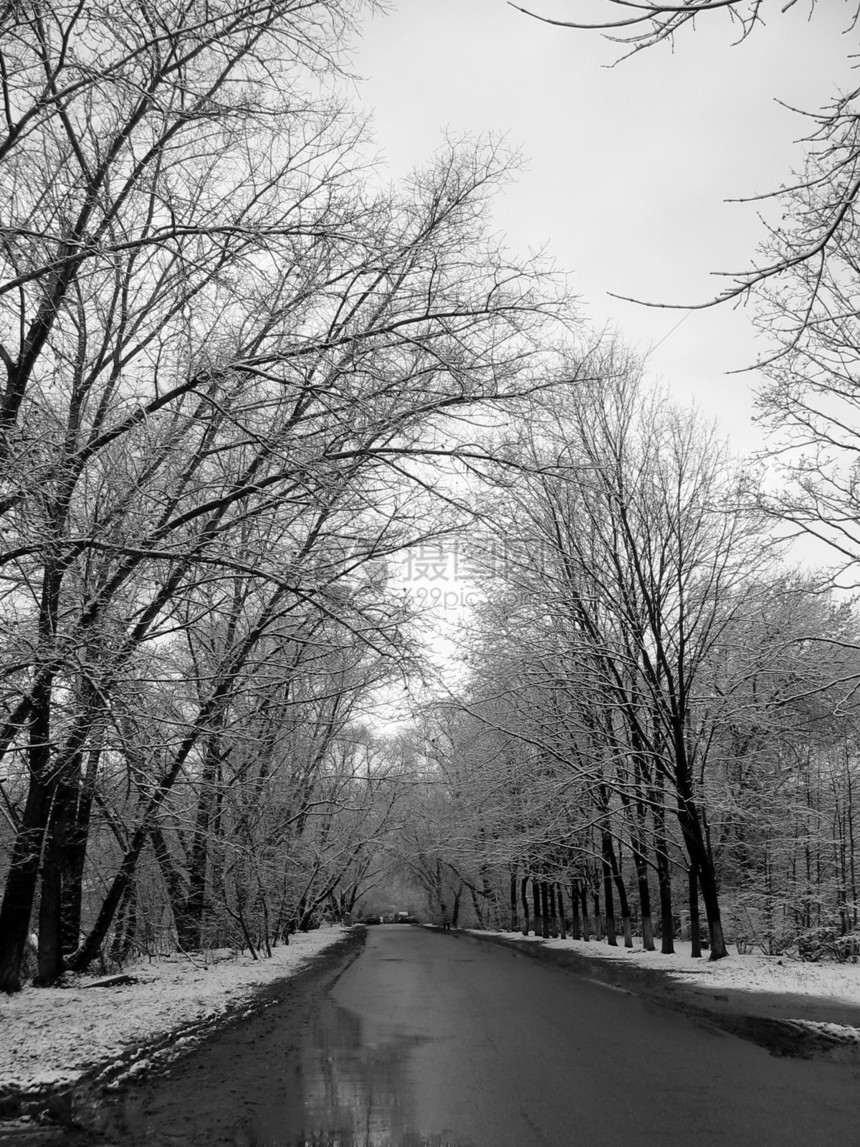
column 244, row 375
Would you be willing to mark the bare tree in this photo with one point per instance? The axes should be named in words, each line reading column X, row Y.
column 643, row 25
column 642, row 556
column 832, row 171
column 226, row 351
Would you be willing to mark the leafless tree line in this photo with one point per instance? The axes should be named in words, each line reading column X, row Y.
column 234, row 357
column 652, row 699
column 226, row 342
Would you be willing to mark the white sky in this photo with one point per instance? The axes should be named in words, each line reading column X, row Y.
column 628, row 168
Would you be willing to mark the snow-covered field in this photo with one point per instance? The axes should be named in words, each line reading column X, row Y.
column 52, row 1035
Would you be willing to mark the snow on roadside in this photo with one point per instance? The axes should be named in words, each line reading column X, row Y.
column 52, row 1035
column 750, row 972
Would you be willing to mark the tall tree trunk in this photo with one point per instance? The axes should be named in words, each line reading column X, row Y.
column 60, row 769
column 562, row 924
column 65, row 841
column 22, row 876
column 89, row 949
column 575, row 926
column 93, row 942
column 695, row 927
column 553, row 918
column 438, row 887
column 851, row 855
column 126, row 923
column 479, row 914
column 303, row 922
column 195, row 907
column 455, row 914
column 490, row 899
column 50, row 955
column 515, row 922
column 176, row 892
column 536, row 901
column 644, row 902
column 664, row 878
column 63, row 856
column 608, row 899
column 586, row 923
column 525, row 899
column 700, row 858
column 76, row 852
column 636, row 823
column 544, row 910
column 623, row 902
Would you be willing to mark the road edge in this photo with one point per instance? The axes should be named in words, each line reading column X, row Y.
column 781, row 1037
column 58, row 1102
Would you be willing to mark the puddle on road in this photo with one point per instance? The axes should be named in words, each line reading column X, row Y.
column 346, row 1084
column 349, row 1087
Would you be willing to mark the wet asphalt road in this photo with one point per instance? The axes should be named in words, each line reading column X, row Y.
column 435, row 1040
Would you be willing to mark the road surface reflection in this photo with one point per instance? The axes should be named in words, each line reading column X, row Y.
column 339, row 1080
column 349, row 1086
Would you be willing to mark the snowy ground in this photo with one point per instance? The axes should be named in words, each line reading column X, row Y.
column 52, row 1035
column 751, row 973
column 755, row 973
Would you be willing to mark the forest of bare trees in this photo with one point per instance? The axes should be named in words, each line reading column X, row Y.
column 244, row 374
column 658, row 721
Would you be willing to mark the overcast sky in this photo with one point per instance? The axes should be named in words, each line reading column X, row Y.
column 627, row 167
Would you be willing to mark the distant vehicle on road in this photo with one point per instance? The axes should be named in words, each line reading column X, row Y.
column 390, row 918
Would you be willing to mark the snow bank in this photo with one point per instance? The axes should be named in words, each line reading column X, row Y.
column 52, row 1035
column 778, row 976
column 750, row 972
